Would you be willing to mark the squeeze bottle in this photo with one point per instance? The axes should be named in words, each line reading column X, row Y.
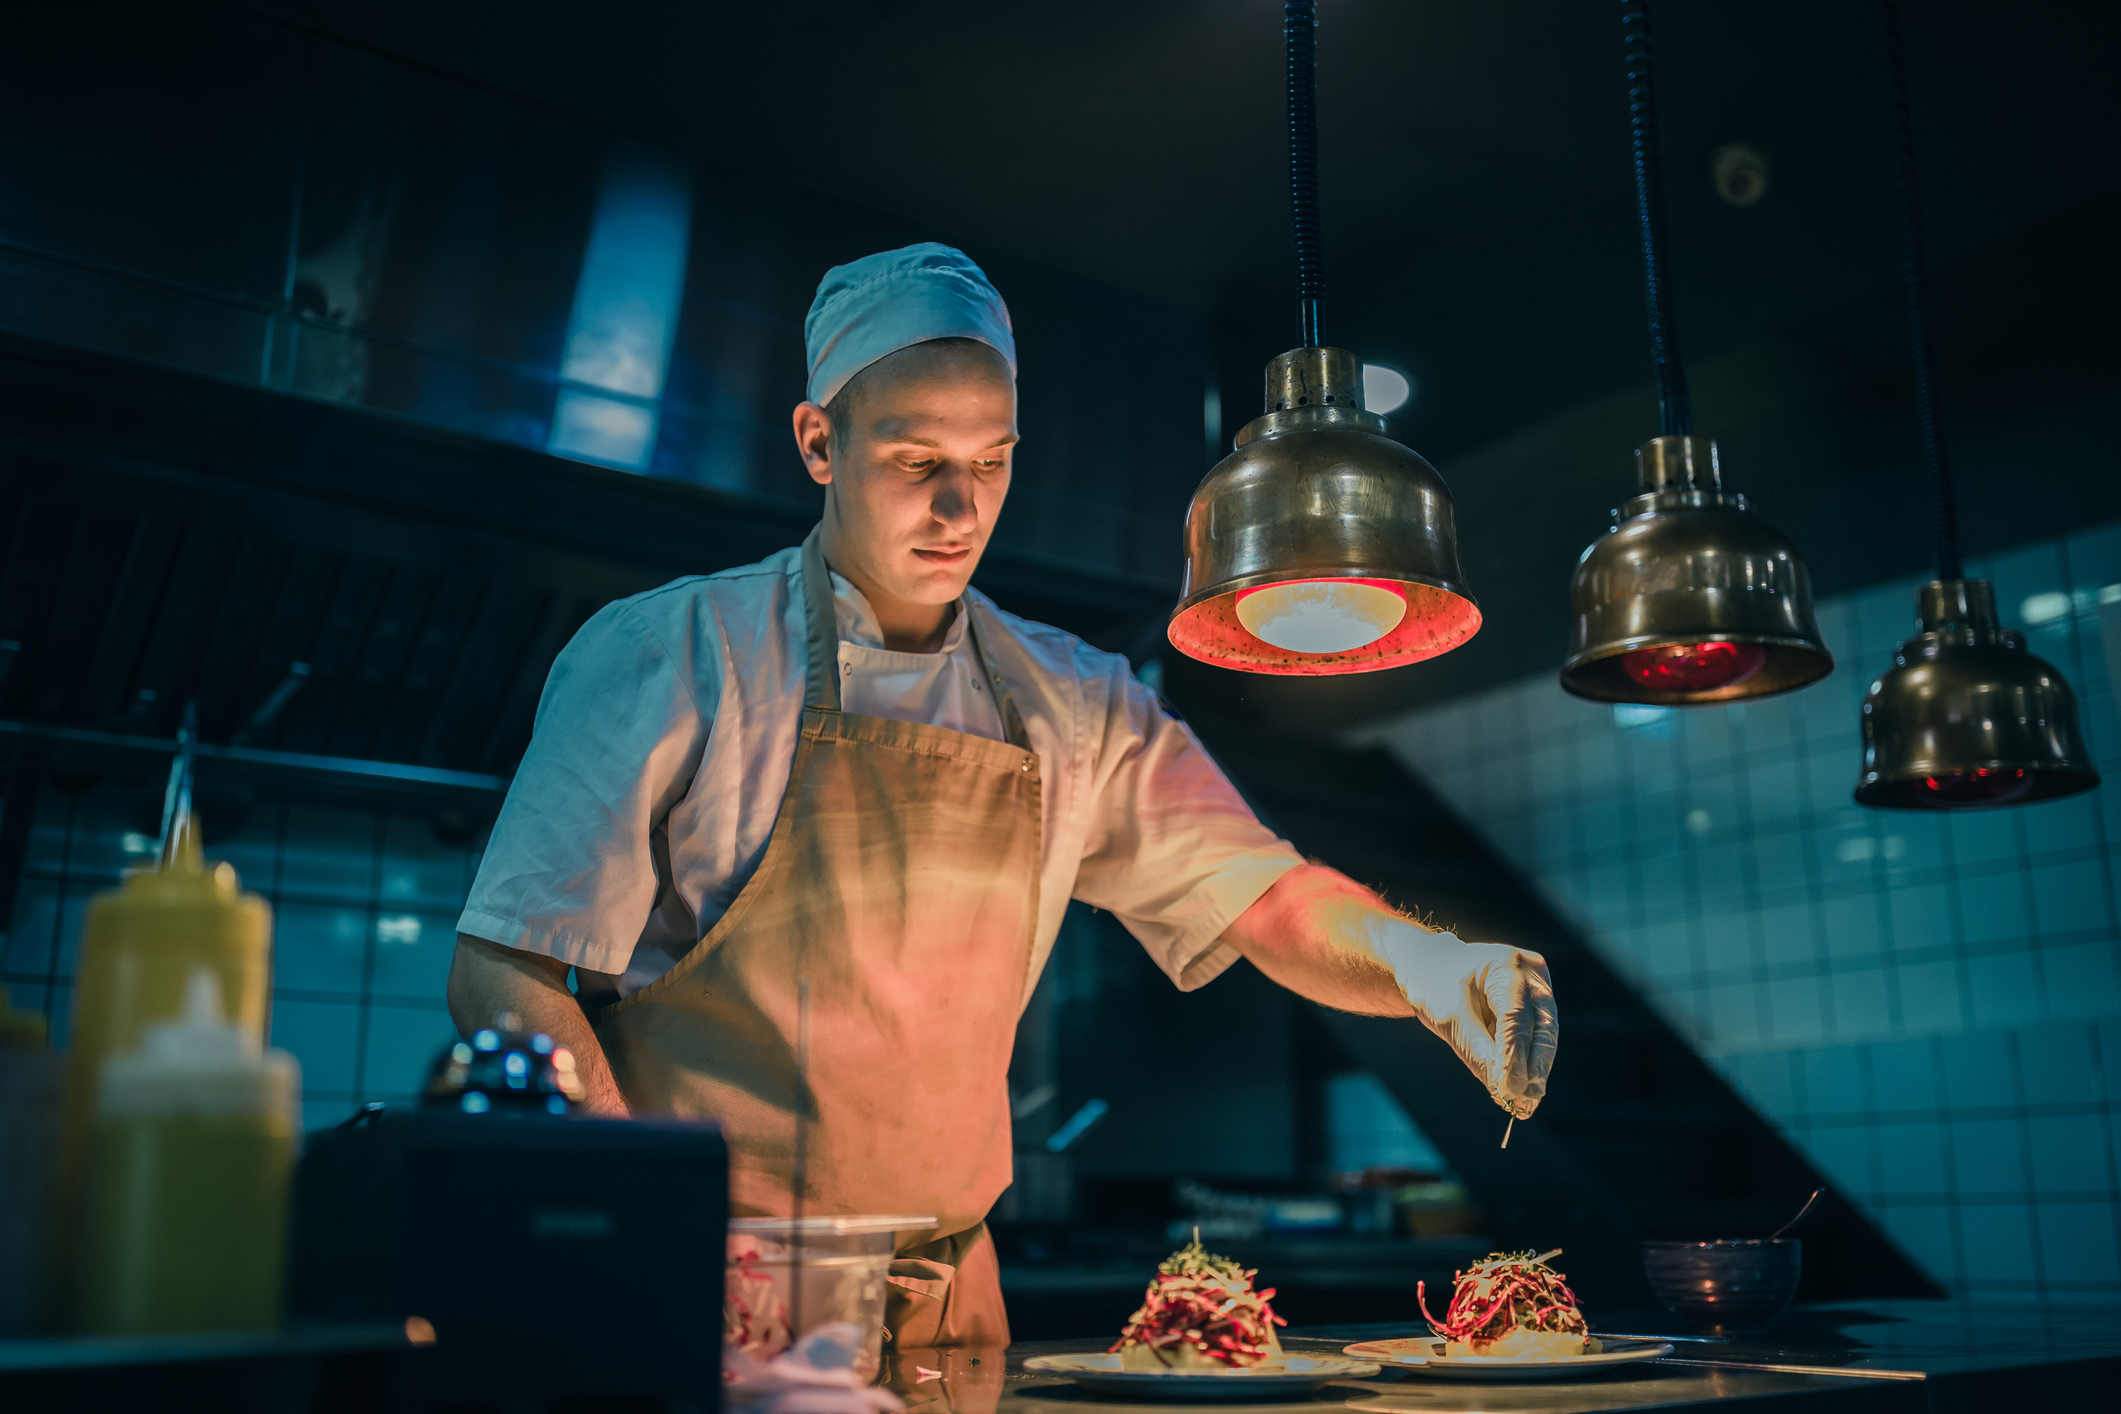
column 188, row 1166
column 142, row 941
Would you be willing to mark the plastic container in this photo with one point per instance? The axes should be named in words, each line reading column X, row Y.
column 184, row 1218
column 785, row 1277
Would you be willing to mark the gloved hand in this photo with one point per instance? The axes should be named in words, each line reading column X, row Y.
column 1491, row 1003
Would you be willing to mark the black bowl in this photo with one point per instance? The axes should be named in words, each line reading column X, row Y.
column 1724, row 1287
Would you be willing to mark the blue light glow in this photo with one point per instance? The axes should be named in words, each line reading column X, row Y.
column 1091, row 1112
column 625, row 311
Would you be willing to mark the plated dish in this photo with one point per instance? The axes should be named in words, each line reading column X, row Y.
column 1510, row 1306
column 1201, row 1312
column 1204, row 1331
column 1511, row 1317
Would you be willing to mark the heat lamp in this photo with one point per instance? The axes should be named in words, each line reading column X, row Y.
column 1690, row 598
column 1965, row 719
column 1319, row 545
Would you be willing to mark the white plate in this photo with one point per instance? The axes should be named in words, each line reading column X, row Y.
column 1423, row 1355
column 1278, row 1379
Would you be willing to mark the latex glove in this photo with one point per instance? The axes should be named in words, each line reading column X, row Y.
column 1491, row 1003
column 816, row 1377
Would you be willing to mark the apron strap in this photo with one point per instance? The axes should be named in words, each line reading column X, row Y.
column 1012, row 722
column 823, row 690
column 823, row 637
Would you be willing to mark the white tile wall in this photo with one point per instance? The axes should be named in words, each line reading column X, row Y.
column 1929, row 1006
column 1367, row 1128
column 365, row 908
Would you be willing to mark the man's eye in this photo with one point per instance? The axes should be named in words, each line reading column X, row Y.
column 989, row 464
column 912, row 465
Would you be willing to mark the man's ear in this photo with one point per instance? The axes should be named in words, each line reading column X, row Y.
column 813, row 440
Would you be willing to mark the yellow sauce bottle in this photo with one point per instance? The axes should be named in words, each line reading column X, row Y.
column 185, row 1201
column 141, row 944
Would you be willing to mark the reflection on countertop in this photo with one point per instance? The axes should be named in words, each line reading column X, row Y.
column 1397, row 1392
column 1932, row 1339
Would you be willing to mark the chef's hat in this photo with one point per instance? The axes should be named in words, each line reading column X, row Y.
column 886, row 302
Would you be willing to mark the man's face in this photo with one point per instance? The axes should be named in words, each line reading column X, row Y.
column 919, row 476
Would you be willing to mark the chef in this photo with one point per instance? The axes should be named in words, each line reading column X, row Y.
column 843, row 774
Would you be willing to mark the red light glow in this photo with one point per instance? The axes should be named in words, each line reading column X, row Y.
column 1985, row 786
column 1433, row 621
column 1693, row 667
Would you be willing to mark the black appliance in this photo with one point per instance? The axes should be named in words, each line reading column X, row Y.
column 535, row 1258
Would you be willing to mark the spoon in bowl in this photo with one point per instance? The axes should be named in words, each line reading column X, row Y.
column 1800, row 1214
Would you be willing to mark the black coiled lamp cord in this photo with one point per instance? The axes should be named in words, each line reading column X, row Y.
column 1300, row 33
column 1914, row 272
column 1675, row 405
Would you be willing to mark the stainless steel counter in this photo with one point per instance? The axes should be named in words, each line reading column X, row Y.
column 1871, row 1358
column 1957, row 1349
column 305, row 1367
column 1899, row 1357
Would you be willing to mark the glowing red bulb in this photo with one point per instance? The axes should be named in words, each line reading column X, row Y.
column 1693, row 667
column 1984, row 786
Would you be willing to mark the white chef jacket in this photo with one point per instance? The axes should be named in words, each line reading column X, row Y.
column 668, row 726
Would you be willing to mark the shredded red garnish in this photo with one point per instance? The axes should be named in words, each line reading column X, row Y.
column 1509, row 1291
column 1207, row 1302
column 754, row 1317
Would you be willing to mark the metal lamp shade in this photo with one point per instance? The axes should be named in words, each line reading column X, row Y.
column 1966, row 718
column 1319, row 506
column 1686, row 569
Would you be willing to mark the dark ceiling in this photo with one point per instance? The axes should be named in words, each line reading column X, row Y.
column 1477, row 198
column 1478, row 217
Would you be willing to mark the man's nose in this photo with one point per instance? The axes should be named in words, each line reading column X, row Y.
column 956, row 503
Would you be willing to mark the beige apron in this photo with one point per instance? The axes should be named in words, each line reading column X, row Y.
column 901, row 881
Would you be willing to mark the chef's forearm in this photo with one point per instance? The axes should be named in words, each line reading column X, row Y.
column 486, row 978
column 1309, row 933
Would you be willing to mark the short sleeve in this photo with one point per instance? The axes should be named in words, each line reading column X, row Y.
column 1171, row 850
column 569, row 871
